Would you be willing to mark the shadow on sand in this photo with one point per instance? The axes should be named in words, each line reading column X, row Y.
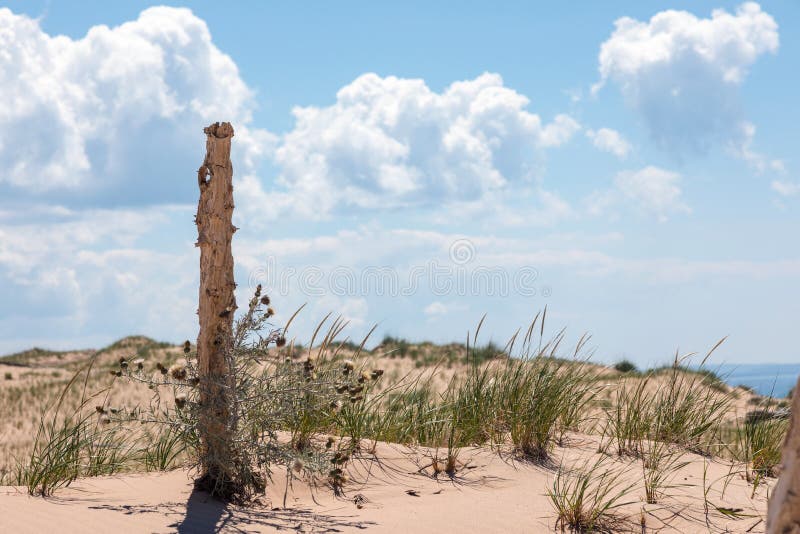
column 203, row 514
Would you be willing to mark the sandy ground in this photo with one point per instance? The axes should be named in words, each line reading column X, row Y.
column 492, row 493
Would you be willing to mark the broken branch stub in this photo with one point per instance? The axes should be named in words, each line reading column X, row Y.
column 217, row 304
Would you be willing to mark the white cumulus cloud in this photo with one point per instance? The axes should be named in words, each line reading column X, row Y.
column 682, row 73
column 609, row 140
column 116, row 116
column 393, row 142
column 99, row 140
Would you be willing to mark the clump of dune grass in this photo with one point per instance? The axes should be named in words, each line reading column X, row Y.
column 587, row 498
column 475, row 405
column 629, row 417
column 757, row 443
column 690, row 406
column 659, row 416
column 670, row 404
column 109, row 450
column 531, row 399
column 54, row 461
column 69, row 444
column 164, row 450
column 403, row 414
column 540, row 395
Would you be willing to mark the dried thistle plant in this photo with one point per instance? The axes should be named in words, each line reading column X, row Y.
column 278, row 403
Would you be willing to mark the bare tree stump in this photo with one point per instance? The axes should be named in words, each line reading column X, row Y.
column 217, row 305
column 783, row 515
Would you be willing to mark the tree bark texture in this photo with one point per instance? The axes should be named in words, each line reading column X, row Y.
column 783, row 515
column 217, row 303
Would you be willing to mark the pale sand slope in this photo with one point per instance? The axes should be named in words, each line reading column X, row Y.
column 492, row 495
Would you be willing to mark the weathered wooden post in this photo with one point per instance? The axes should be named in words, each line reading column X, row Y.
column 217, row 305
column 783, row 515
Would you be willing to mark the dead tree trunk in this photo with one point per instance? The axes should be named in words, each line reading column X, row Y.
column 216, row 307
column 783, row 515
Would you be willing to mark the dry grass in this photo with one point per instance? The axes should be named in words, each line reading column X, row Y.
column 38, row 383
column 587, row 498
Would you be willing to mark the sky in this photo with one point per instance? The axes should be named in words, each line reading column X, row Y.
column 630, row 166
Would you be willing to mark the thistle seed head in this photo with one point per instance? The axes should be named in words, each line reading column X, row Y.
column 347, row 367
column 178, row 371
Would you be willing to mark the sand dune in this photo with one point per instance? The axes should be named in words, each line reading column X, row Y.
column 389, row 492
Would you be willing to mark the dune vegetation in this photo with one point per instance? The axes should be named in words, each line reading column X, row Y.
column 313, row 411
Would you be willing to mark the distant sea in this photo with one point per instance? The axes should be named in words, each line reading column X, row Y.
column 774, row 379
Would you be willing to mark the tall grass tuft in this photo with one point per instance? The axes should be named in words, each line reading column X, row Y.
column 62, row 440
column 672, row 405
column 165, row 450
column 539, row 397
column 586, row 499
column 629, row 417
column 689, row 407
column 757, row 443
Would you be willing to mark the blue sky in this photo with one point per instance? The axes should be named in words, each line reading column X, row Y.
column 629, row 165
